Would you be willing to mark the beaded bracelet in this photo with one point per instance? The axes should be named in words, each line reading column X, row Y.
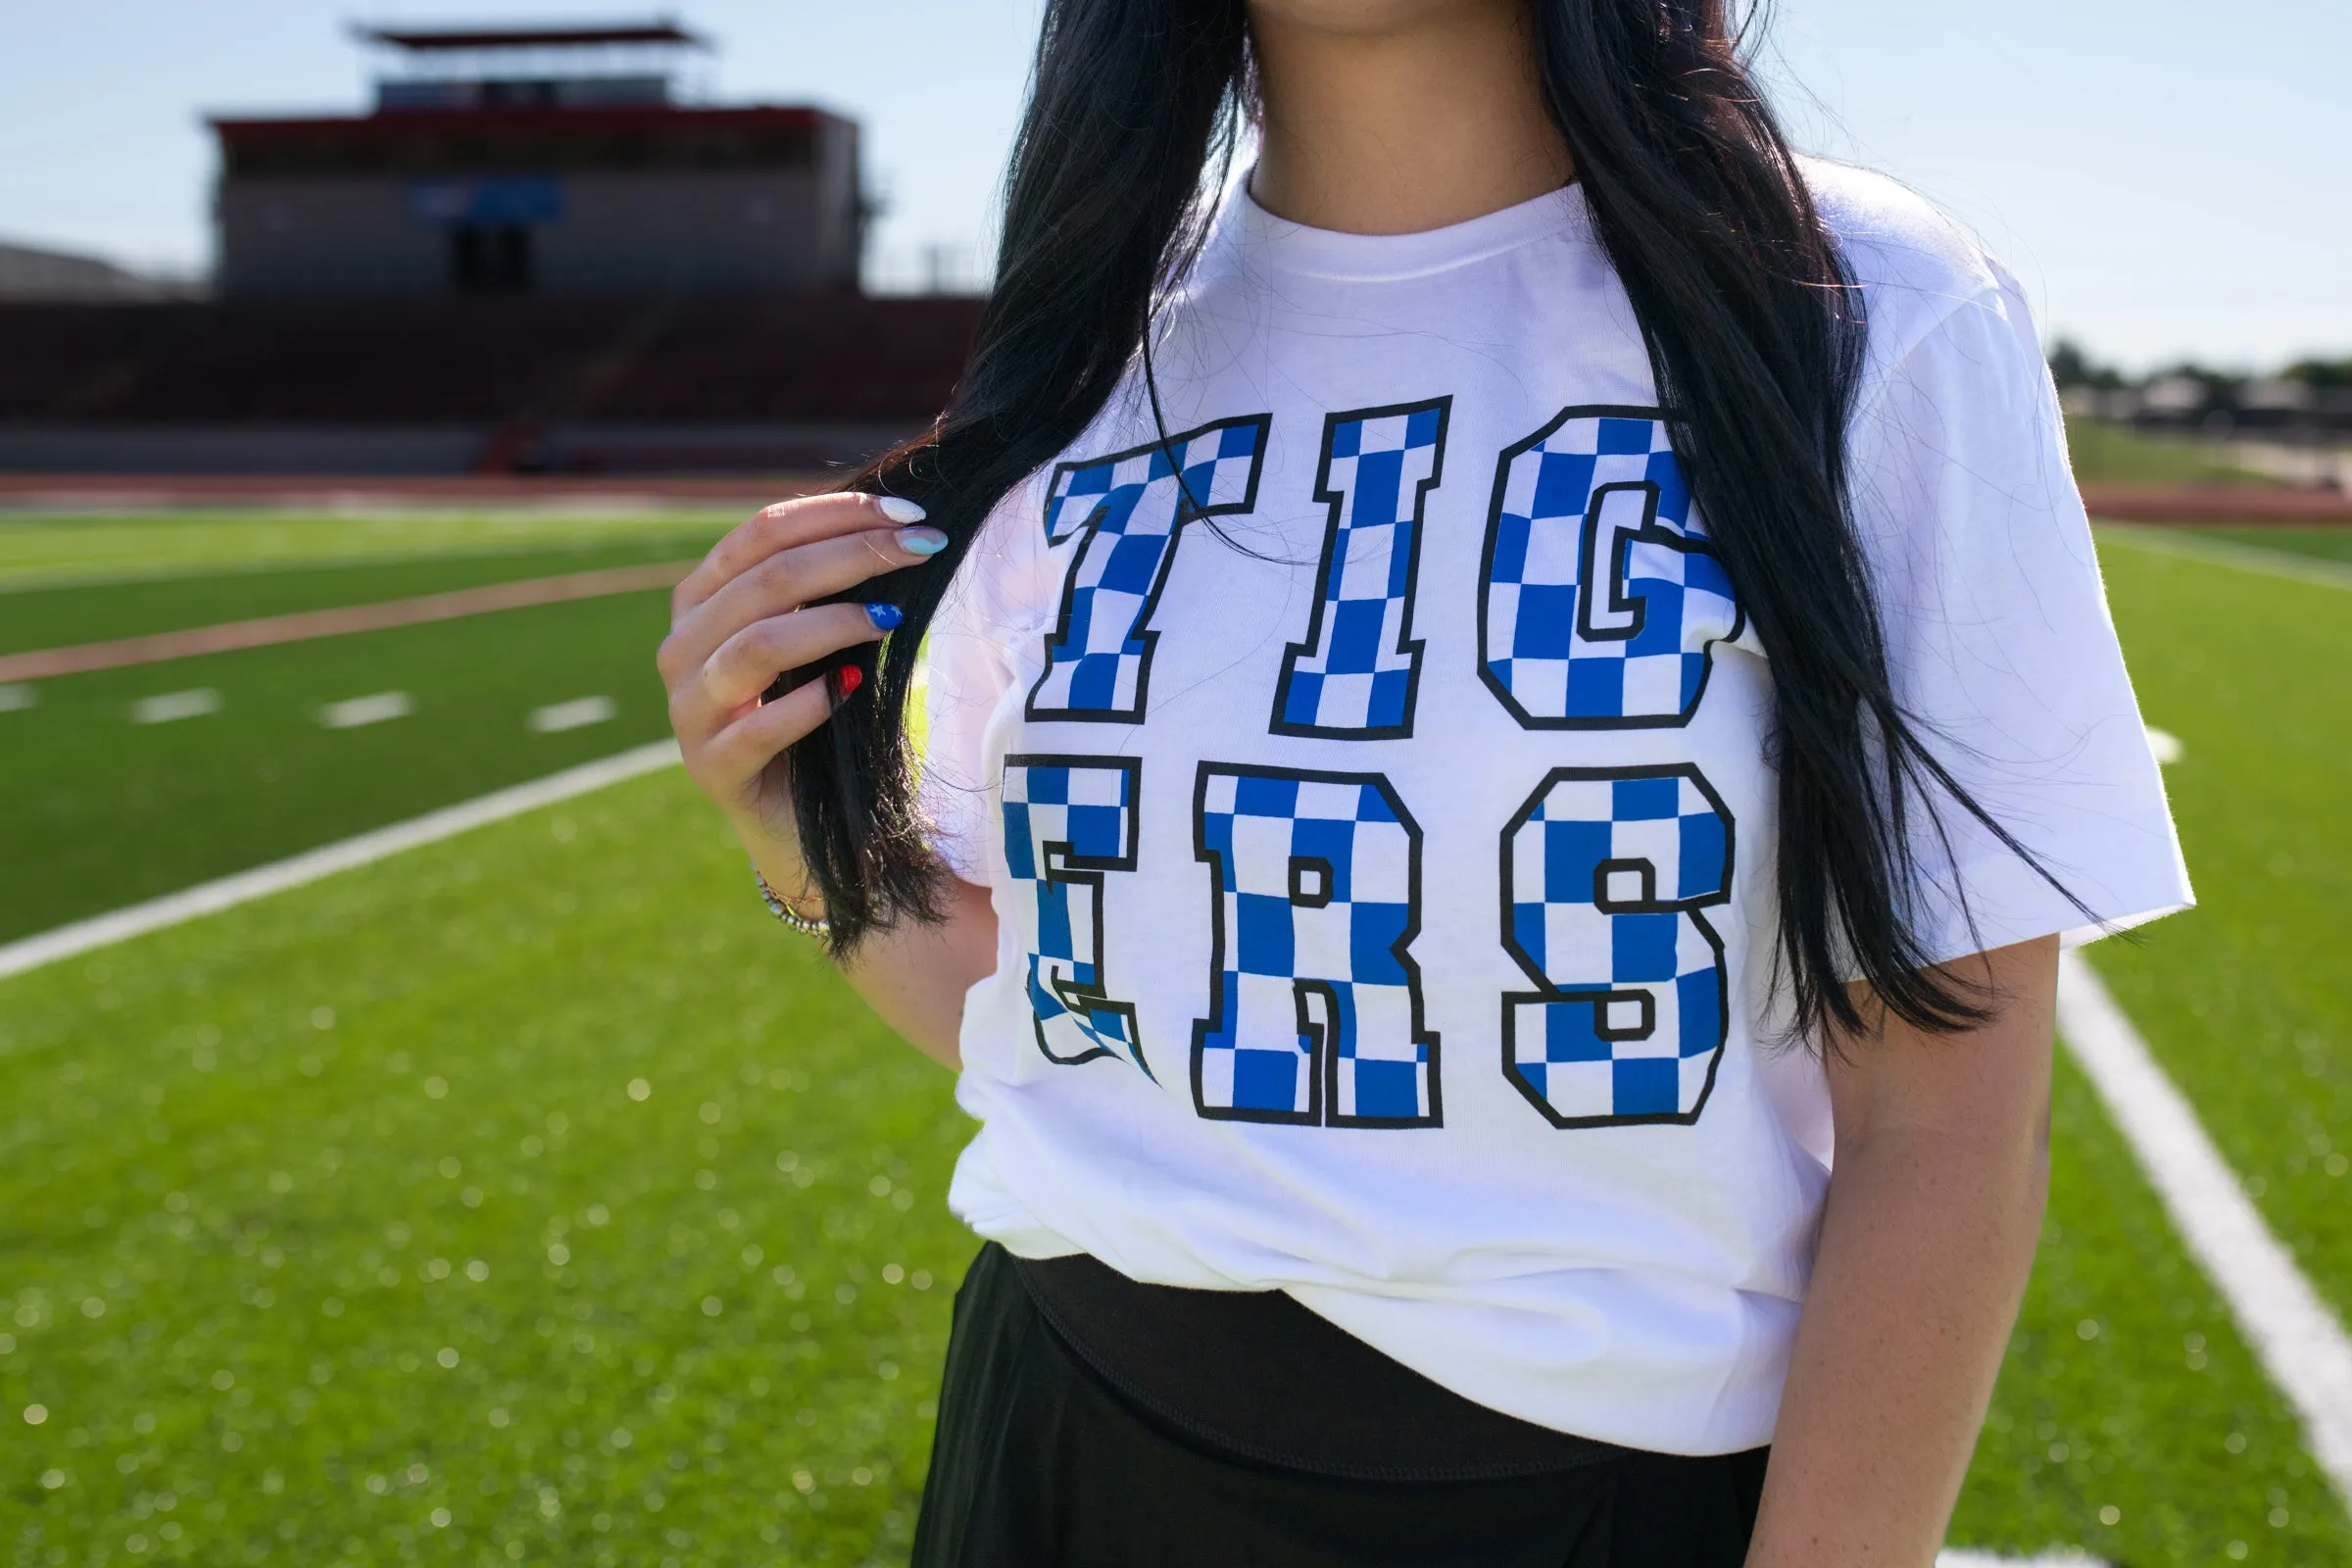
column 792, row 917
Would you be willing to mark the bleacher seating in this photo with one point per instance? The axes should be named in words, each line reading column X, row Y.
column 688, row 360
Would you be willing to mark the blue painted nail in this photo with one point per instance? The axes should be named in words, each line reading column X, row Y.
column 898, row 509
column 886, row 617
column 921, row 541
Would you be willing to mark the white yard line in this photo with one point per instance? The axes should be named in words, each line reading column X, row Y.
column 209, row 898
column 1967, row 1557
column 577, row 713
column 171, row 707
column 353, row 712
column 2228, row 552
column 2298, row 1340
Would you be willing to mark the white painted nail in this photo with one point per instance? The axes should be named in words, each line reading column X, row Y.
column 898, row 509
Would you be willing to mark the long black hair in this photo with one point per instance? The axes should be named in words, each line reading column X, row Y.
column 1755, row 338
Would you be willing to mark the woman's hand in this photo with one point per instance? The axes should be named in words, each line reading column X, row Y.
column 744, row 616
column 747, row 615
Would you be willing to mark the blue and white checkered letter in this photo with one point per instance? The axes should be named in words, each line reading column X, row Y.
column 1356, row 675
column 1315, row 888
column 1068, row 820
column 1125, row 512
column 1600, row 598
column 1604, row 873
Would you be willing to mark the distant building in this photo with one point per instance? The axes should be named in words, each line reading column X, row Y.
column 540, row 251
column 555, row 160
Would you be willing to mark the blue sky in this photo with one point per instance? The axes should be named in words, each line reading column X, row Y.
column 2168, row 180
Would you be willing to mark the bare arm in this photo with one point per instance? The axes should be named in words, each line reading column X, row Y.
column 741, row 618
column 915, row 976
column 1934, row 1206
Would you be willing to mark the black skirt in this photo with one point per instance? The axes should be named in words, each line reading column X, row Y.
column 1049, row 1454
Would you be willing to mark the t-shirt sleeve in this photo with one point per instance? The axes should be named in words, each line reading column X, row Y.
column 2000, row 644
column 969, row 659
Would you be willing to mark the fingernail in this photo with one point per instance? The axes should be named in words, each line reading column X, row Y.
column 898, row 509
column 921, row 541
column 886, row 617
column 847, row 679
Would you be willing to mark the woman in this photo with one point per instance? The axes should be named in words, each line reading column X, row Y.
column 1498, row 684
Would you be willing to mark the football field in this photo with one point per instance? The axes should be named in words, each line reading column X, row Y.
column 527, row 1196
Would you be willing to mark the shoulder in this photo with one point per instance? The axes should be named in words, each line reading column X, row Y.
column 1926, row 283
column 1898, row 242
column 1915, row 263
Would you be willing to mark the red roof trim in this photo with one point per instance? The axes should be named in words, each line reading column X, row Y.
column 440, row 38
column 403, row 124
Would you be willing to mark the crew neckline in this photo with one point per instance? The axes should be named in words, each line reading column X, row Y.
column 1294, row 247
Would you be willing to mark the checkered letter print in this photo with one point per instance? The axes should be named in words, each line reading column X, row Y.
column 1067, row 822
column 1125, row 511
column 1600, row 600
column 1355, row 674
column 1604, row 873
column 1316, row 896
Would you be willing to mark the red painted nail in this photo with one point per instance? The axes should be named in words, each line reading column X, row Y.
column 847, row 679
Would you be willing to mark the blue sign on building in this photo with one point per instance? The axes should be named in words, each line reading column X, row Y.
column 487, row 199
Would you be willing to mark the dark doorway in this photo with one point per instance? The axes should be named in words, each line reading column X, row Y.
column 490, row 258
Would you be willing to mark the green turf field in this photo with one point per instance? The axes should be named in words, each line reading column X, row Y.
column 248, row 1166
column 2127, row 1388
column 240, row 1146
column 533, row 1178
column 2112, row 454
column 2328, row 544
column 105, row 812
column 2102, row 453
column 2247, row 999
column 60, row 547
column 57, row 617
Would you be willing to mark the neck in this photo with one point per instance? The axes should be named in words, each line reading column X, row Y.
column 1400, row 116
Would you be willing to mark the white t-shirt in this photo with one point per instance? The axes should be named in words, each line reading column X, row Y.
column 1384, row 921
